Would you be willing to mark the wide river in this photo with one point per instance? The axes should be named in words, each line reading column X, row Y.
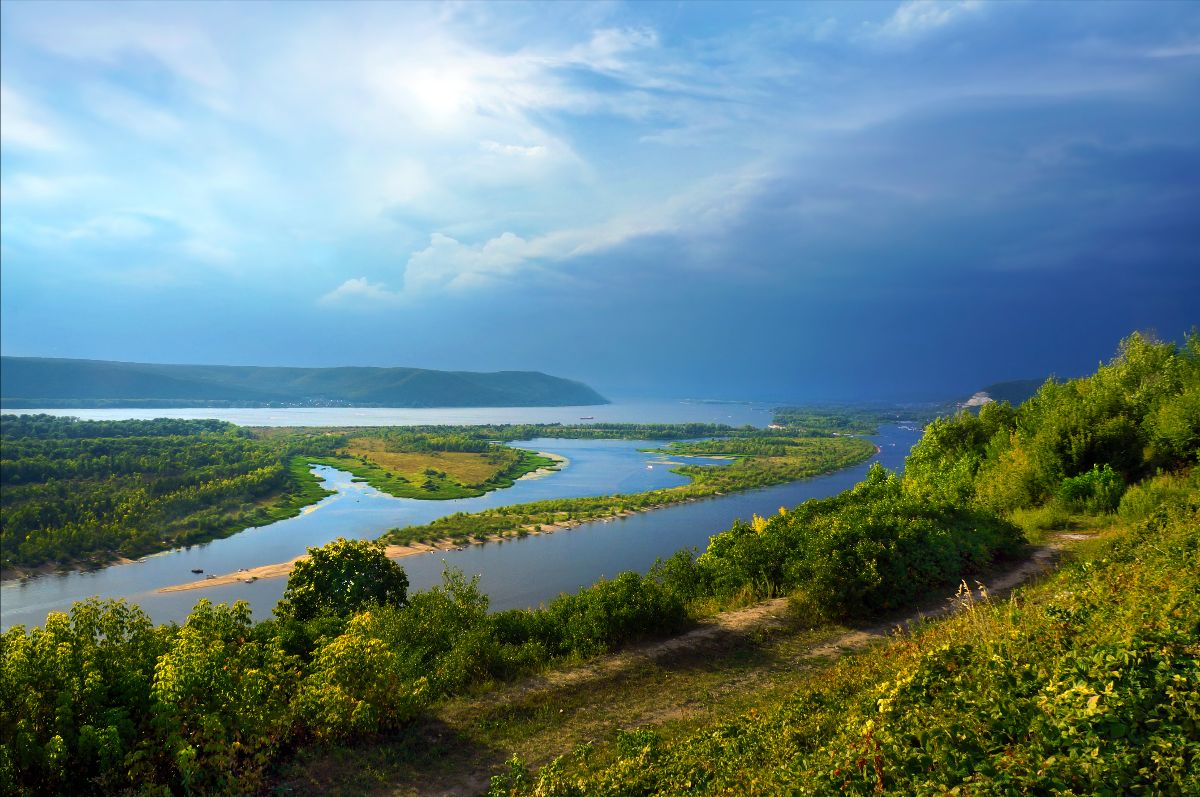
column 515, row 573
column 734, row 413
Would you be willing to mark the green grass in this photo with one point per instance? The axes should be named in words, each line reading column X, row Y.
column 437, row 486
column 1088, row 683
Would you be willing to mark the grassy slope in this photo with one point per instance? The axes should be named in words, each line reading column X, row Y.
column 1085, row 683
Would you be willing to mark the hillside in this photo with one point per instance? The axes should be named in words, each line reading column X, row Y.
column 48, row 382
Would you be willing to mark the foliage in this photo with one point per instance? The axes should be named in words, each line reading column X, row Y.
column 433, row 484
column 1088, row 684
column 871, row 549
column 1138, row 413
column 75, row 489
column 817, row 421
column 342, row 577
column 1097, row 490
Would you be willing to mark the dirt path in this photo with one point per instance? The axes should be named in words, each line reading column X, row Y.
column 725, row 658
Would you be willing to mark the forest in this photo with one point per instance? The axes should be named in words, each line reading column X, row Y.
column 1088, row 685
column 45, row 382
column 88, row 491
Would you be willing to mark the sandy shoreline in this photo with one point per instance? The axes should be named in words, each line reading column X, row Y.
column 281, row 569
column 560, row 462
column 16, row 574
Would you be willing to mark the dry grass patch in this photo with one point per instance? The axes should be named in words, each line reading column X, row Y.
column 461, row 466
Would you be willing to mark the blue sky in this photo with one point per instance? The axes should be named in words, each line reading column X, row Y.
column 804, row 202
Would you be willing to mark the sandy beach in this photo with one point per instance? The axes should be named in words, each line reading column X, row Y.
column 560, row 462
column 281, row 569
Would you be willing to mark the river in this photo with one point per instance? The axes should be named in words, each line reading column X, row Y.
column 515, row 573
column 733, row 413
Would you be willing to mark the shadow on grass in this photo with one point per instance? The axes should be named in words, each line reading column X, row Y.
column 427, row 758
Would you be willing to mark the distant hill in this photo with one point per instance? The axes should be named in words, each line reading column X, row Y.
column 47, row 382
column 1014, row 391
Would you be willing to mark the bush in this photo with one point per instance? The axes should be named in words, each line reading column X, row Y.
column 1098, row 490
column 341, row 577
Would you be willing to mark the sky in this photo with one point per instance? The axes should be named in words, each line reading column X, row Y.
column 800, row 202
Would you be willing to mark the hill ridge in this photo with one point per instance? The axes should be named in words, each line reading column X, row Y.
column 72, row 382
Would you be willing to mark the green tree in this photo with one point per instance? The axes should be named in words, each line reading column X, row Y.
column 340, row 578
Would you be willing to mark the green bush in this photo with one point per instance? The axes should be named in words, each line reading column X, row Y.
column 874, row 548
column 1098, row 490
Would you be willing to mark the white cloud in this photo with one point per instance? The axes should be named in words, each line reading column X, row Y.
column 1184, row 49
column 534, row 151
column 96, row 34
column 36, row 188
column 359, row 289
column 131, row 113
column 703, row 209
column 918, row 16
column 117, row 227
column 23, row 125
column 447, row 264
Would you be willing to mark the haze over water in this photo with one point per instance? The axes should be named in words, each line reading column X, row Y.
column 650, row 411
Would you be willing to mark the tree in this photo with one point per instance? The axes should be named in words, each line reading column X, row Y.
column 340, row 578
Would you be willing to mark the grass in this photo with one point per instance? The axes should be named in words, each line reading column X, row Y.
column 432, row 475
column 462, row 466
column 1088, row 683
column 1083, row 682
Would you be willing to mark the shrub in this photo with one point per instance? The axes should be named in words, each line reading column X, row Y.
column 1098, row 490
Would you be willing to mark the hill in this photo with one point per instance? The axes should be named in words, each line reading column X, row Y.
column 50, row 382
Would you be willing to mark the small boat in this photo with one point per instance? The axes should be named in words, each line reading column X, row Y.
column 197, row 570
column 587, row 417
column 649, row 467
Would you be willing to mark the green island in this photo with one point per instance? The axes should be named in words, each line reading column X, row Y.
column 758, row 461
column 1084, row 682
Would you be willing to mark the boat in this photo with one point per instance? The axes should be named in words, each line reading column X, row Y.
column 197, row 570
column 587, row 417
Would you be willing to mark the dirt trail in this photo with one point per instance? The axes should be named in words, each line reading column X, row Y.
column 636, row 687
column 717, row 632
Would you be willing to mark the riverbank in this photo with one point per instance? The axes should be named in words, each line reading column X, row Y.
column 559, row 461
column 399, row 551
column 818, row 457
column 14, row 574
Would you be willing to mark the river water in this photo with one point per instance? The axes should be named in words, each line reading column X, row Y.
column 515, row 573
column 737, row 413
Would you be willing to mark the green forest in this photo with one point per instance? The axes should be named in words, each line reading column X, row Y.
column 77, row 491
column 1085, row 684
